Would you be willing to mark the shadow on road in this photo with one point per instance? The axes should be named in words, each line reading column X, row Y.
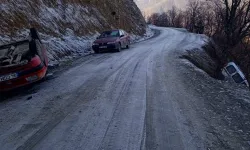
column 24, row 90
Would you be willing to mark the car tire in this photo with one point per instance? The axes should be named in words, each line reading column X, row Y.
column 127, row 47
column 97, row 51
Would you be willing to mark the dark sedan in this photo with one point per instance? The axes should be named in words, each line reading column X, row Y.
column 113, row 40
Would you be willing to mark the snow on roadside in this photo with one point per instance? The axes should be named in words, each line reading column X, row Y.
column 196, row 58
column 60, row 49
column 199, row 40
column 69, row 46
column 195, row 54
column 136, row 38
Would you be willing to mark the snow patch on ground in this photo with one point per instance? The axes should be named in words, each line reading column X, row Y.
column 149, row 33
column 68, row 46
column 199, row 40
column 180, row 29
column 60, row 49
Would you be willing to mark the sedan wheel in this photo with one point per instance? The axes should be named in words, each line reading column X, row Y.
column 97, row 51
column 127, row 47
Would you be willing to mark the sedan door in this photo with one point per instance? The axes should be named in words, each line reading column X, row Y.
column 127, row 37
column 122, row 39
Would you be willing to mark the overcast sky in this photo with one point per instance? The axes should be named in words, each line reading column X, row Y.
column 151, row 6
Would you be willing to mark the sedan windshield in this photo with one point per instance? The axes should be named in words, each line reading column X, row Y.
column 110, row 34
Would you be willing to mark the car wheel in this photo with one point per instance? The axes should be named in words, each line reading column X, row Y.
column 127, row 47
column 97, row 51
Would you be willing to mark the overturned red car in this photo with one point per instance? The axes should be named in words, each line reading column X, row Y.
column 22, row 62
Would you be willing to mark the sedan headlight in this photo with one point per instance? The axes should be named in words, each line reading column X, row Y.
column 95, row 44
column 111, row 42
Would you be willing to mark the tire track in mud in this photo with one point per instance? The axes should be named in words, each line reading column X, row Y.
column 89, row 91
column 116, row 85
column 57, row 118
column 156, row 103
column 113, row 129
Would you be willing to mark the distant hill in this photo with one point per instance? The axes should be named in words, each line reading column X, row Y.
column 151, row 6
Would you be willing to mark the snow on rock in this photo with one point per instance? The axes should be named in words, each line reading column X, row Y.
column 68, row 47
column 136, row 38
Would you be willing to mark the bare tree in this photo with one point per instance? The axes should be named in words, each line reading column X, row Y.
column 153, row 18
column 172, row 14
column 208, row 17
column 194, row 14
column 227, row 19
column 163, row 20
column 235, row 17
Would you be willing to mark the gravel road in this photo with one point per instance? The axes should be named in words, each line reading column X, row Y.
column 144, row 97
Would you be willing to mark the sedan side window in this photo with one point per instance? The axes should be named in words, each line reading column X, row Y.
column 121, row 32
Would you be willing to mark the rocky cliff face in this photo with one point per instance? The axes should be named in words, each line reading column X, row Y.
column 62, row 21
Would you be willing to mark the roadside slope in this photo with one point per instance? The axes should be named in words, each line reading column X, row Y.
column 68, row 27
column 214, row 112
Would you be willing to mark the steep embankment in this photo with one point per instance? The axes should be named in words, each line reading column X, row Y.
column 67, row 25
